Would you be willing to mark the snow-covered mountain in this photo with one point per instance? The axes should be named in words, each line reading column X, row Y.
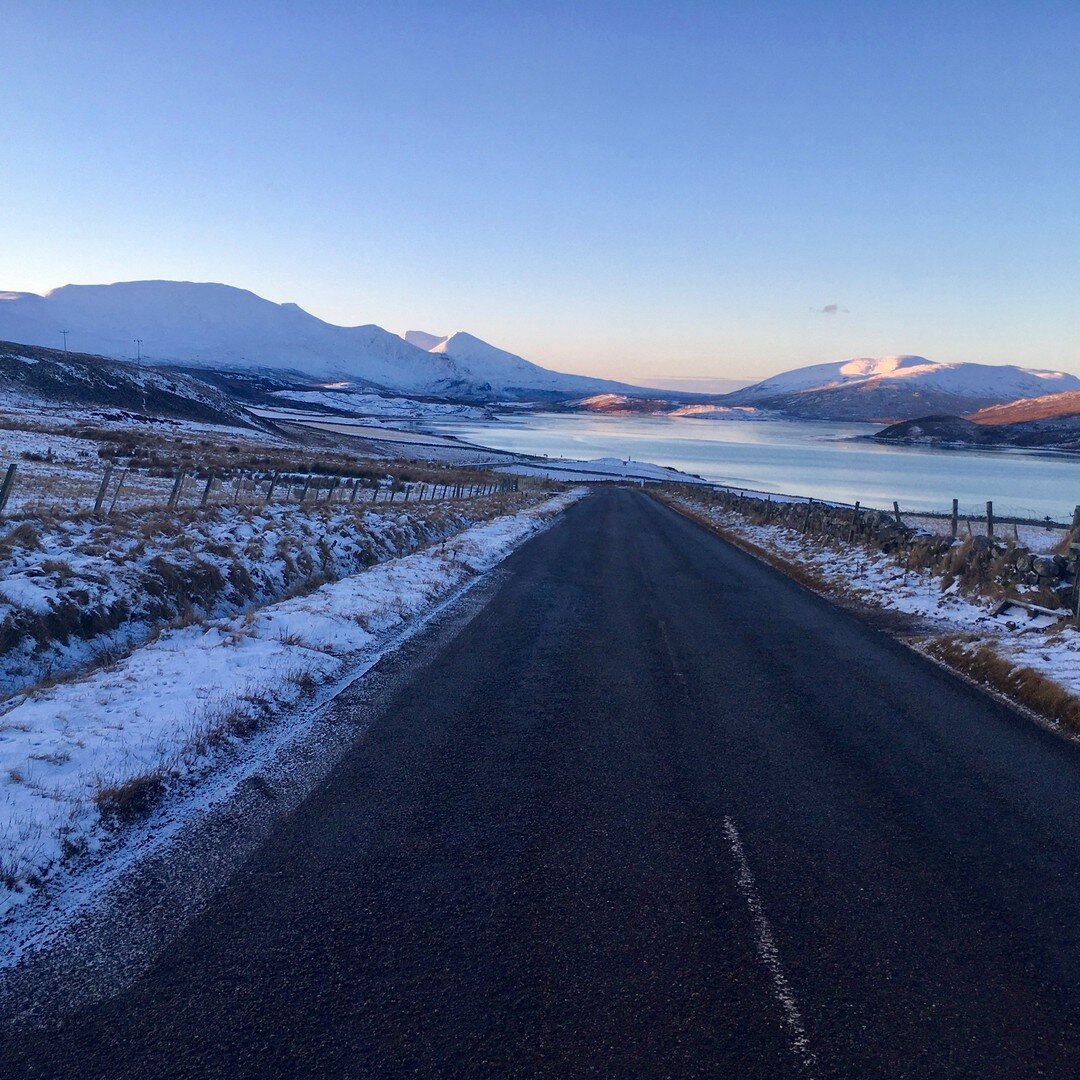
column 225, row 328
column 898, row 388
column 494, row 366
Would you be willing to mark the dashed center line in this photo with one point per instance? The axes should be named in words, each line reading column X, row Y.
column 769, row 953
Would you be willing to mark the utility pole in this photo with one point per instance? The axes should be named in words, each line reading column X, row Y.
column 65, row 333
column 138, row 362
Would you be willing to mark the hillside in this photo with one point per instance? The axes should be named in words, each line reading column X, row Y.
column 1049, row 407
column 223, row 328
column 31, row 376
column 891, row 388
column 621, row 405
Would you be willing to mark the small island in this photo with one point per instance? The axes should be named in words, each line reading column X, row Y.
column 1051, row 422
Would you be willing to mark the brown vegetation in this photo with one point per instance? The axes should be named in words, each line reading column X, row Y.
column 981, row 661
column 1048, row 407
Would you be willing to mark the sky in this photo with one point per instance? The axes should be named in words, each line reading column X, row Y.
column 634, row 190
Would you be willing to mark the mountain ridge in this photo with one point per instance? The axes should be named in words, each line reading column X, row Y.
column 898, row 387
column 209, row 324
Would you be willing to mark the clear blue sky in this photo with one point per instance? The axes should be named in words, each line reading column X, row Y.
column 624, row 189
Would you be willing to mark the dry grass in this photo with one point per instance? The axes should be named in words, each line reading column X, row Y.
column 304, row 681
column 980, row 661
column 130, row 800
column 22, row 536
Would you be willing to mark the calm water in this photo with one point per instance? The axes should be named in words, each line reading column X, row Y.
column 817, row 459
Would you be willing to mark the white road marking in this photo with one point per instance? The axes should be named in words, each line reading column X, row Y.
column 767, row 950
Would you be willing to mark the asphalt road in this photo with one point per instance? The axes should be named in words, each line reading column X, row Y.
column 655, row 811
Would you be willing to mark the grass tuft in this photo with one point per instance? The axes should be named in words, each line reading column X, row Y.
column 980, row 661
column 131, row 800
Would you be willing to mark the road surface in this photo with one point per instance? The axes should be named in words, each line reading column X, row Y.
column 655, row 810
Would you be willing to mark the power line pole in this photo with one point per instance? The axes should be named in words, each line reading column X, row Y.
column 138, row 363
column 65, row 333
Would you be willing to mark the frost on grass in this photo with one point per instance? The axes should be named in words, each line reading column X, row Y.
column 102, row 750
column 75, row 591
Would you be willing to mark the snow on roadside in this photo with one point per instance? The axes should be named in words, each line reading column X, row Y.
column 873, row 578
column 74, row 589
column 78, row 750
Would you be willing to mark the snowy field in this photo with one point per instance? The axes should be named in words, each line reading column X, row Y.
column 87, row 754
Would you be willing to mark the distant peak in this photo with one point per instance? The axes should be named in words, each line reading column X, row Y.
column 423, row 340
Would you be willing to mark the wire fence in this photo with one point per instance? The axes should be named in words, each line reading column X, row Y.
column 117, row 488
column 958, row 519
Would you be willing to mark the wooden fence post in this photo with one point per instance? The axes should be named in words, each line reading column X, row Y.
column 955, row 517
column 209, row 487
column 990, row 520
column 174, row 497
column 103, row 489
column 854, row 522
column 8, row 484
column 116, row 493
column 806, row 516
column 896, row 512
column 270, row 489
